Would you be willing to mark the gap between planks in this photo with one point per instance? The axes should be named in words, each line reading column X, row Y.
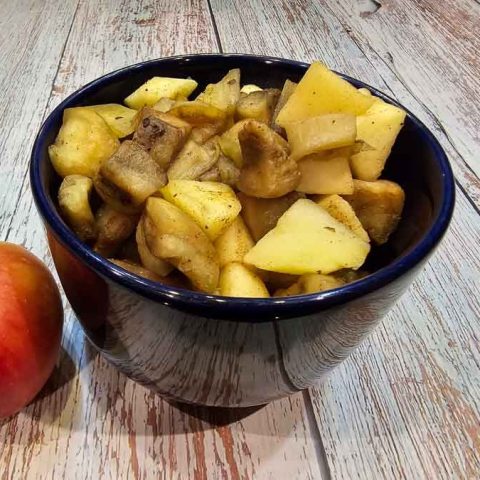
column 307, row 405
column 307, row 400
column 45, row 111
column 430, row 113
column 215, row 27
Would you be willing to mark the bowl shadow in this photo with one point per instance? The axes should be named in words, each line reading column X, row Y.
column 213, row 416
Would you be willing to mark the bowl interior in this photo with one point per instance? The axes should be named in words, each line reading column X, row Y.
column 417, row 162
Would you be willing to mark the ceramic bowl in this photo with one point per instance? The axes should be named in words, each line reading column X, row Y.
column 233, row 352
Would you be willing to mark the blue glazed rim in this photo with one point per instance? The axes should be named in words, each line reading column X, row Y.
column 246, row 309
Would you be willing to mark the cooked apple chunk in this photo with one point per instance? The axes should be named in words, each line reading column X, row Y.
column 73, row 199
column 308, row 240
column 172, row 235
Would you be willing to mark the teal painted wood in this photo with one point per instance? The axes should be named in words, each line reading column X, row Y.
column 406, row 404
column 91, row 422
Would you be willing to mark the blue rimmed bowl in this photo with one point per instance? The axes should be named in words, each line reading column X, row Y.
column 217, row 351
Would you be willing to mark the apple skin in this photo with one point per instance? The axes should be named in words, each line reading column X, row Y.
column 31, row 322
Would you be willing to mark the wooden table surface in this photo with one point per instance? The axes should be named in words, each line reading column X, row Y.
column 407, row 403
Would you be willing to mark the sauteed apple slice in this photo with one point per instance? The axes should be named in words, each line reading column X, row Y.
column 173, row 236
column 73, row 199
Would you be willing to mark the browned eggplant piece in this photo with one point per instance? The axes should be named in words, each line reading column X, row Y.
column 268, row 170
column 128, row 178
column 261, row 214
column 113, row 228
column 162, row 134
column 378, row 205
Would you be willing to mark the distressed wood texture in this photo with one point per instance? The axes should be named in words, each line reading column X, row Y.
column 407, row 404
column 32, row 36
column 91, row 422
column 398, row 49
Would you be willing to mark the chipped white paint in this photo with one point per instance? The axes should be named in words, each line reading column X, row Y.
column 406, row 405
column 91, row 422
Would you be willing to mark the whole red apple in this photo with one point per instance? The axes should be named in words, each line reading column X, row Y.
column 31, row 321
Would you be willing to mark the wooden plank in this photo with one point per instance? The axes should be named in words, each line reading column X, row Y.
column 32, row 38
column 435, row 55
column 307, row 31
column 94, row 423
column 406, row 405
column 91, row 421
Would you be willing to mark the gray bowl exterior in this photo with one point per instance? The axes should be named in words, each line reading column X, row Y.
column 235, row 353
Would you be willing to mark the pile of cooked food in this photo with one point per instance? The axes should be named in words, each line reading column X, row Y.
column 241, row 191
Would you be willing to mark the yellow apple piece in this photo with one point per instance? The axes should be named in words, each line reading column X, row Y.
column 154, row 264
column 173, row 236
column 82, row 144
column 193, row 160
column 234, row 243
column 156, row 88
column 319, row 92
column 74, row 202
column 321, row 133
column 261, row 214
column 249, row 88
column 213, row 205
column 379, row 127
column 325, row 174
column 308, row 240
column 164, row 104
column 340, row 209
column 287, row 90
column 237, row 280
column 258, row 105
column 206, row 119
column 310, row 283
column 365, row 91
column 118, row 117
column 230, row 144
column 224, row 94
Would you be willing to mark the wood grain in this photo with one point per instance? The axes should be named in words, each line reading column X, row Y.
column 435, row 56
column 91, row 421
column 94, row 423
column 31, row 45
column 406, row 405
column 353, row 45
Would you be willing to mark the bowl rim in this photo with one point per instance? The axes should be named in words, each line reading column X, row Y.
column 236, row 308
